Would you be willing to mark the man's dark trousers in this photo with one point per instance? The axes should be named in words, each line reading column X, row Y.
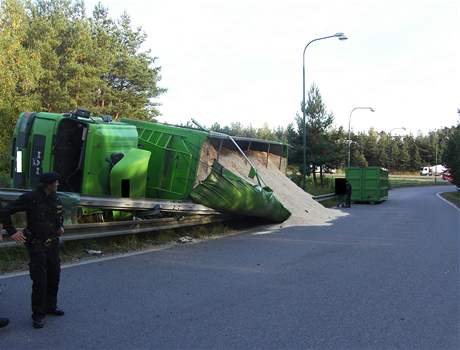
column 45, row 270
column 348, row 200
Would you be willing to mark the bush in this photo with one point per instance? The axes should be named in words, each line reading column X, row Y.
column 452, row 155
column 5, row 180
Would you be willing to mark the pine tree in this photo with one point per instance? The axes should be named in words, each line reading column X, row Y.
column 382, row 147
column 19, row 73
column 370, row 144
column 452, row 155
column 404, row 157
column 416, row 160
column 394, row 162
column 319, row 121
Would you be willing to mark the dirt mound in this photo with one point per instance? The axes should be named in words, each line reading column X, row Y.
column 304, row 209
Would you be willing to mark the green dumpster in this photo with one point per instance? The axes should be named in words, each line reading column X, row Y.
column 368, row 184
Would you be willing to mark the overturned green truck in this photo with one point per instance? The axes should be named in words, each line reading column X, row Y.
column 139, row 159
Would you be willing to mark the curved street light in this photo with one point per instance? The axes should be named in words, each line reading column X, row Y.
column 349, row 130
column 341, row 37
column 402, row 128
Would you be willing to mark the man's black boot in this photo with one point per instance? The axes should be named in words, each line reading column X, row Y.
column 55, row 312
column 4, row 322
column 38, row 323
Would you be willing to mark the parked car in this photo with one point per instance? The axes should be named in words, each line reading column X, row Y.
column 446, row 175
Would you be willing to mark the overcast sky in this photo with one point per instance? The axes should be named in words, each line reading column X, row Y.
column 241, row 60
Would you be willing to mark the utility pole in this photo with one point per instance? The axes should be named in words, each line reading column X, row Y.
column 340, row 36
column 436, row 162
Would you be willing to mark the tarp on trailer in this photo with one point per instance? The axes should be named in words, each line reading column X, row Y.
column 224, row 191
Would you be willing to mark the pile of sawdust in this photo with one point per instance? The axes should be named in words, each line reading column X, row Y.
column 304, row 209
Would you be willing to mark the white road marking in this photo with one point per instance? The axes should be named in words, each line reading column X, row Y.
column 127, row 255
column 445, row 200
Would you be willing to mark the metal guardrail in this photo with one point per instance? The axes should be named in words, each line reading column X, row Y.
column 9, row 194
column 195, row 215
column 119, row 228
column 324, row 197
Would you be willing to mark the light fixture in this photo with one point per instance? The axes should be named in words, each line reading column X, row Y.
column 341, row 36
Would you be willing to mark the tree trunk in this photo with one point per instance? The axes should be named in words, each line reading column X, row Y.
column 321, row 177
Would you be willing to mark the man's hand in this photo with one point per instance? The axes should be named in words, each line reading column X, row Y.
column 19, row 237
column 60, row 231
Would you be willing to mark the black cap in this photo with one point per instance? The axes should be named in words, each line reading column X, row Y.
column 48, row 178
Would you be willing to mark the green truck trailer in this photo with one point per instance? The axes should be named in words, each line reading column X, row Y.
column 368, row 184
column 175, row 157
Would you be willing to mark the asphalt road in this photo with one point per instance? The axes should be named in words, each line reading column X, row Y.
column 384, row 277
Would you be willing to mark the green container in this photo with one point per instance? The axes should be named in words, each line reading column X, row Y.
column 175, row 157
column 368, row 184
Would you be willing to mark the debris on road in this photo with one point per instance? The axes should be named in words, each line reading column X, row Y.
column 185, row 239
column 93, row 252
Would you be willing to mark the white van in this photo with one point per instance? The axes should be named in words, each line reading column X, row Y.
column 438, row 169
column 425, row 171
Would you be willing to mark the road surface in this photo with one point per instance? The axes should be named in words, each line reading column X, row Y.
column 384, row 277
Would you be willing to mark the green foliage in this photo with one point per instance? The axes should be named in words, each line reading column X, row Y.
column 404, row 157
column 319, row 122
column 56, row 58
column 20, row 72
column 328, row 146
column 452, row 154
column 265, row 133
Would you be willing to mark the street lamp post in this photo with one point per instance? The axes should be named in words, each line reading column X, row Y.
column 349, row 130
column 436, row 162
column 340, row 36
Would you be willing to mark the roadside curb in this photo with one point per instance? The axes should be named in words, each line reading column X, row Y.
column 446, row 201
column 146, row 251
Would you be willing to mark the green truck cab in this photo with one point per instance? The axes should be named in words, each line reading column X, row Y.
column 93, row 155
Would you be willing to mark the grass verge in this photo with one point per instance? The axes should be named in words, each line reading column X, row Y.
column 453, row 197
column 408, row 182
column 16, row 258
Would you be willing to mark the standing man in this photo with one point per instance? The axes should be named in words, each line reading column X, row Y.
column 349, row 191
column 45, row 220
